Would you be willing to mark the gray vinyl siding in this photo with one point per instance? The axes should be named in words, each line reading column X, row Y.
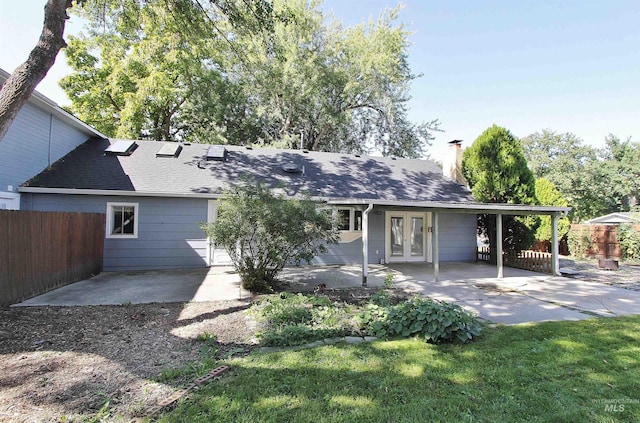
column 35, row 140
column 351, row 252
column 169, row 234
column 457, row 237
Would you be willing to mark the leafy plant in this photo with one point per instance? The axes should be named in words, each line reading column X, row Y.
column 262, row 232
column 436, row 321
column 389, row 281
column 580, row 241
column 629, row 240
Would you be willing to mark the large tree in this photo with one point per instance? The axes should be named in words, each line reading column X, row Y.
column 496, row 170
column 17, row 89
column 594, row 182
column 305, row 78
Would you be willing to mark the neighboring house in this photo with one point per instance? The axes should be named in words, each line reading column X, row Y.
column 41, row 134
column 615, row 219
column 155, row 196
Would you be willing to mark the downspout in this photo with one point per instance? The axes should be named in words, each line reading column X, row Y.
column 365, row 243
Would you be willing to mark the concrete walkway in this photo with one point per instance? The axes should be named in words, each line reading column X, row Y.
column 522, row 296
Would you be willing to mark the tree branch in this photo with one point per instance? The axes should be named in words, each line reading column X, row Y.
column 20, row 85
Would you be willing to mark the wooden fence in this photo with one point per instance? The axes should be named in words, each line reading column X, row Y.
column 602, row 239
column 529, row 260
column 40, row 251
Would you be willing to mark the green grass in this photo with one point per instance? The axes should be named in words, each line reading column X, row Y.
column 548, row 372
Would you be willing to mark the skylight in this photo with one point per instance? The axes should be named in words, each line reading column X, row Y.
column 121, row 148
column 169, row 149
column 216, row 152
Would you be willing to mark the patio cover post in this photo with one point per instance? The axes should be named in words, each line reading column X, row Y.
column 499, row 245
column 365, row 244
column 555, row 247
column 436, row 248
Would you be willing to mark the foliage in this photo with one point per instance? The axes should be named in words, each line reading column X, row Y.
column 594, row 182
column 435, row 321
column 496, row 170
column 548, row 195
column 295, row 319
column 537, row 371
column 263, row 232
column 581, row 241
column 389, row 280
column 289, row 319
column 230, row 72
column 629, row 239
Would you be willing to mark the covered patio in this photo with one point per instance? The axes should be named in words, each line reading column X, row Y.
column 437, row 208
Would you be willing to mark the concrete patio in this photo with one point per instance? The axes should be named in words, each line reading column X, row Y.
column 521, row 296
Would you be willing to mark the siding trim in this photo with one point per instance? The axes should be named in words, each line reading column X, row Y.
column 74, row 191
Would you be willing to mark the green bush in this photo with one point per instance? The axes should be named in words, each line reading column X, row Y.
column 296, row 319
column 436, row 321
column 580, row 241
column 629, row 240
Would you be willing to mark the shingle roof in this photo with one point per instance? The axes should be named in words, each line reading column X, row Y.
column 326, row 175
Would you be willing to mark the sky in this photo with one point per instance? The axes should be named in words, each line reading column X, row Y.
column 526, row 65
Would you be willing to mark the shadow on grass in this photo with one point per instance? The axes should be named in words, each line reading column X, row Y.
column 560, row 371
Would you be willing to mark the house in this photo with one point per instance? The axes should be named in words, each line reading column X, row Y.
column 615, row 219
column 41, row 134
column 155, row 195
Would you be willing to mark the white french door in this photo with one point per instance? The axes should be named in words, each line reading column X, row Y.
column 407, row 236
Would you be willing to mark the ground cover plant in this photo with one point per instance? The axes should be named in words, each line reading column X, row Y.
column 586, row 371
column 294, row 319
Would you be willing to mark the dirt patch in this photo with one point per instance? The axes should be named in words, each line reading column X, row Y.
column 68, row 362
column 627, row 276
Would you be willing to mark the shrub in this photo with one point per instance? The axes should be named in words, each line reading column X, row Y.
column 436, row 321
column 629, row 240
column 262, row 232
column 580, row 241
column 294, row 319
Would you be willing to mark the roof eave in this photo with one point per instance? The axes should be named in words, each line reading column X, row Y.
column 478, row 208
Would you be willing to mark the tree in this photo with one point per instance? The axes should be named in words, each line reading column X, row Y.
column 263, row 232
column 594, row 182
column 338, row 89
column 17, row 89
column 496, row 171
column 548, row 195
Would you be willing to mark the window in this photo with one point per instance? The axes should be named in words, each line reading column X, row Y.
column 122, row 220
column 349, row 219
column 344, row 219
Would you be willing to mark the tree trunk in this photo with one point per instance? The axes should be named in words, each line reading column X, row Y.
column 20, row 85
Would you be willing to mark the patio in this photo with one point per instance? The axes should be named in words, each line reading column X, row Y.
column 521, row 296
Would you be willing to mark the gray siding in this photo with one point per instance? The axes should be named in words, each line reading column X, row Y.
column 351, row 252
column 169, row 235
column 457, row 237
column 34, row 141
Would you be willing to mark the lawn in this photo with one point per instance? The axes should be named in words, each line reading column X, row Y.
column 556, row 371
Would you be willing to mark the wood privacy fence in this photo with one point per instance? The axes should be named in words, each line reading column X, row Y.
column 528, row 260
column 602, row 239
column 40, row 251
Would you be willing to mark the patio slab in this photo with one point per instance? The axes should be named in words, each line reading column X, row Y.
column 520, row 297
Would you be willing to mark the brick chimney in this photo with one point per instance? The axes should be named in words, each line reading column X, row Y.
column 452, row 163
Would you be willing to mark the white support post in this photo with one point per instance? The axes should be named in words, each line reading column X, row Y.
column 555, row 247
column 436, row 248
column 365, row 244
column 499, row 245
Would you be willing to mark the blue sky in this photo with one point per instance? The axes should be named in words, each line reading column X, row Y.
column 570, row 66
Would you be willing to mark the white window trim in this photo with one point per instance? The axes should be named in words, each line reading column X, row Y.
column 136, row 214
column 352, row 219
column 11, row 199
